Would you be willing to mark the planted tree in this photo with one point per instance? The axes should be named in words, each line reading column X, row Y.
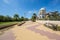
column 53, row 16
column 16, row 17
column 22, row 18
column 34, row 17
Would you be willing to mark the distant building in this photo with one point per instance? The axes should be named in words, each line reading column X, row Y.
column 42, row 13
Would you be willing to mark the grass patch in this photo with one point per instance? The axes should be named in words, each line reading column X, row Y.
column 4, row 26
column 58, row 28
column 7, row 24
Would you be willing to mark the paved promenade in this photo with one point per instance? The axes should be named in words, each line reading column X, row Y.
column 31, row 31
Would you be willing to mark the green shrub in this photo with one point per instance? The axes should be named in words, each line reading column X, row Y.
column 58, row 28
column 53, row 26
column 34, row 17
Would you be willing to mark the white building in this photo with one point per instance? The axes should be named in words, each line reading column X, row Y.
column 42, row 13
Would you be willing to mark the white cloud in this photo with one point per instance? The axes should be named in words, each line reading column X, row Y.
column 32, row 11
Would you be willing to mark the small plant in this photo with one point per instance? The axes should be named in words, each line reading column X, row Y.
column 53, row 26
column 34, row 17
column 58, row 28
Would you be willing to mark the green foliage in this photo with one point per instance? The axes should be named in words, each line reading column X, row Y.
column 5, row 18
column 26, row 19
column 53, row 26
column 54, row 15
column 58, row 28
column 22, row 18
column 34, row 17
column 16, row 17
column 10, row 19
column 4, row 25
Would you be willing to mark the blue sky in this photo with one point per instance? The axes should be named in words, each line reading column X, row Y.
column 11, row 7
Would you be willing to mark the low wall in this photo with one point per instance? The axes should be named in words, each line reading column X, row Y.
column 47, row 21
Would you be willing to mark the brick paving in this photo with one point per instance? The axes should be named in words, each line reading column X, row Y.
column 7, row 36
column 44, row 33
column 29, row 33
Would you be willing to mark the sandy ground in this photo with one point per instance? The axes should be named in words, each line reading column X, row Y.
column 32, row 31
column 8, row 35
column 22, row 33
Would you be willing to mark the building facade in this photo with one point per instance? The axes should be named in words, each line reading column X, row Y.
column 42, row 13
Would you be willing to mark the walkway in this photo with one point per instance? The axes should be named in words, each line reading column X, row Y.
column 31, row 31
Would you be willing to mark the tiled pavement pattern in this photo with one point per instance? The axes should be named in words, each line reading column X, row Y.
column 44, row 33
column 29, row 31
column 7, row 36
